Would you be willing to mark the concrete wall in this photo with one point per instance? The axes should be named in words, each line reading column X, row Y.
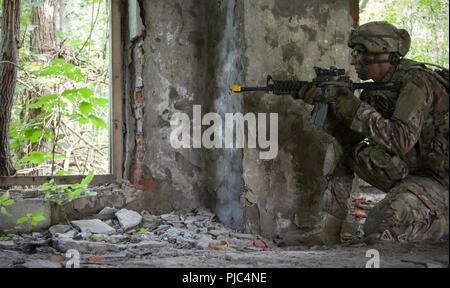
column 190, row 52
column 173, row 50
column 287, row 39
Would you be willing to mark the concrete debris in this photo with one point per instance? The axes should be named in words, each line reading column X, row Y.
column 7, row 244
column 147, row 244
column 128, row 219
column 202, row 239
column 85, row 246
column 170, row 217
column 202, row 233
column 219, row 232
column 108, row 211
column 218, row 245
column 151, row 219
column 94, row 226
column 203, row 242
column 59, row 229
column 182, row 239
column 115, row 239
column 40, row 264
column 68, row 234
column 243, row 236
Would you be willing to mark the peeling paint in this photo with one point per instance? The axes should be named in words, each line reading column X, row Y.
column 193, row 58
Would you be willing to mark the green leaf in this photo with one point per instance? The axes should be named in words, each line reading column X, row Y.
column 143, row 230
column 35, row 135
column 14, row 144
column 85, row 108
column 22, row 220
column 62, row 173
column 85, row 93
column 3, row 211
column 48, row 135
column 4, row 197
column 50, row 70
column 83, row 120
column 8, row 202
column 98, row 122
column 76, row 75
column 101, row 102
column 34, row 157
column 87, row 180
column 70, row 94
column 4, row 238
column 37, row 218
column 48, row 102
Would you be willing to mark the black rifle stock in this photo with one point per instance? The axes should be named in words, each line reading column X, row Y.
column 327, row 80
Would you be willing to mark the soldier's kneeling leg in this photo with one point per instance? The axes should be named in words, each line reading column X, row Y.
column 415, row 210
column 334, row 210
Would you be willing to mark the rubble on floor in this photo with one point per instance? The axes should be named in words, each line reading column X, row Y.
column 125, row 238
column 131, row 233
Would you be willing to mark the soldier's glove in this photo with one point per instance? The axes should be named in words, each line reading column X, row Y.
column 308, row 93
column 346, row 104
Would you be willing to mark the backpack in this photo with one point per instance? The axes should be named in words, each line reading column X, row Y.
column 441, row 73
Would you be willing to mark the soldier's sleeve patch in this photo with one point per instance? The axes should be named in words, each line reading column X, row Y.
column 410, row 99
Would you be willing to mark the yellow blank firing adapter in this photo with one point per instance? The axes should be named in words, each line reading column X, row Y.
column 235, row 88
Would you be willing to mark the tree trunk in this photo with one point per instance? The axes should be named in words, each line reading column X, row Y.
column 43, row 45
column 61, row 16
column 43, row 35
column 9, row 59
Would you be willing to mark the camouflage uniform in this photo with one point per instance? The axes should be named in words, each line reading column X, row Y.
column 395, row 140
column 405, row 154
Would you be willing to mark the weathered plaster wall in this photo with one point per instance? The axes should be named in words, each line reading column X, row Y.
column 225, row 67
column 287, row 39
column 173, row 75
column 191, row 52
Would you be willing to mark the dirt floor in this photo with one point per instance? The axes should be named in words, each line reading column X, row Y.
column 392, row 255
column 127, row 239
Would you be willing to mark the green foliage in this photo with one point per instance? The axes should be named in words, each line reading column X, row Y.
column 426, row 20
column 4, row 238
column 39, row 157
column 5, row 201
column 59, row 67
column 32, row 218
column 63, row 194
column 72, row 104
column 142, row 230
column 61, row 106
column 96, row 237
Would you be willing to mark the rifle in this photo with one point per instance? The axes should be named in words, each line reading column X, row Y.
column 327, row 80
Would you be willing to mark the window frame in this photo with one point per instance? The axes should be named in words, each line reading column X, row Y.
column 115, row 123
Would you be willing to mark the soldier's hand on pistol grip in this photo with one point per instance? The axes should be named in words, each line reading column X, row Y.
column 346, row 104
column 308, row 93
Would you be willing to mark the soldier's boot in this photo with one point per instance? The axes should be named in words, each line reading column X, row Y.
column 328, row 233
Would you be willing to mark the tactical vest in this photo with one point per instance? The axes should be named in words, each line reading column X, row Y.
column 433, row 145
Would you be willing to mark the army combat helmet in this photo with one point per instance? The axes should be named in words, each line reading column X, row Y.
column 381, row 37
